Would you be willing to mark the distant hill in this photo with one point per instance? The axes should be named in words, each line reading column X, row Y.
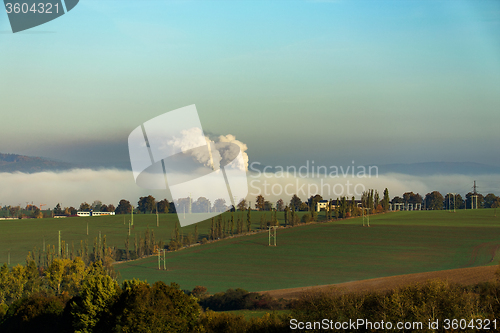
column 439, row 168
column 29, row 164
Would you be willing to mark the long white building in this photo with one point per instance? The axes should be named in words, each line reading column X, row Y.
column 94, row 213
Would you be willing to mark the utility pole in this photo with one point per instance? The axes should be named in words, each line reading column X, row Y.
column 474, row 197
column 160, row 259
column 59, row 245
column 272, row 234
column 157, row 218
column 454, row 202
column 367, row 216
column 132, row 213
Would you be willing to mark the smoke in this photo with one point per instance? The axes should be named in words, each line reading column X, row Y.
column 71, row 188
column 228, row 149
column 214, row 152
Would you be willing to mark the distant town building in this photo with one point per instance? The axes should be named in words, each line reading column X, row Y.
column 323, row 204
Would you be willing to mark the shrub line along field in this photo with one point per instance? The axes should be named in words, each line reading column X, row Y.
column 315, row 254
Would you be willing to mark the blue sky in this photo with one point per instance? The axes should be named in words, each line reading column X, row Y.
column 377, row 82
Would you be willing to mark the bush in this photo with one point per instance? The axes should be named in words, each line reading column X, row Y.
column 173, row 246
column 254, row 301
column 232, row 299
column 415, row 303
column 159, row 307
column 214, row 322
column 271, row 323
column 306, row 218
column 36, row 313
column 199, row 292
column 239, row 299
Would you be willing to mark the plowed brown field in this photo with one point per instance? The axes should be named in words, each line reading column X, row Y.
column 465, row 276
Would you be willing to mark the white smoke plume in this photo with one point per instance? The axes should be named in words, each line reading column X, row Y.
column 228, row 148
column 213, row 152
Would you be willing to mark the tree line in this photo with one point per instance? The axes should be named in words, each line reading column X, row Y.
column 436, row 201
column 370, row 199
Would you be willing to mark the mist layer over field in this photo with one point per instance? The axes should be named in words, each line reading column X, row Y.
column 70, row 188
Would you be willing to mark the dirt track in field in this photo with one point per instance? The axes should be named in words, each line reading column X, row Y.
column 465, row 276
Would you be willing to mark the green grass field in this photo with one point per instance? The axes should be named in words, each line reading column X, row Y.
column 315, row 254
column 17, row 237
column 335, row 252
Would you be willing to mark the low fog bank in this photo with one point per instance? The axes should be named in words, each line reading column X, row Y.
column 70, row 188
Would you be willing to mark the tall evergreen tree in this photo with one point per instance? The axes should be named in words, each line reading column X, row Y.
column 249, row 219
column 212, row 230
column 386, row 200
column 286, row 215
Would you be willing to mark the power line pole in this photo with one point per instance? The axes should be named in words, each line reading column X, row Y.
column 157, row 218
column 367, row 216
column 272, row 235
column 454, row 202
column 160, row 259
column 474, row 197
column 363, row 213
column 132, row 213
column 59, row 245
